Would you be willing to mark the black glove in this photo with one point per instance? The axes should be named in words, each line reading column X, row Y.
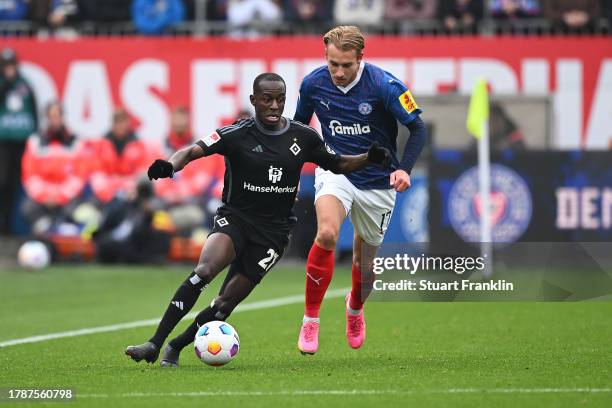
column 379, row 155
column 160, row 169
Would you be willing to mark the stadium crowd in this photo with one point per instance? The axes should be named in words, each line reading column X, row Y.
column 250, row 17
column 94, row 188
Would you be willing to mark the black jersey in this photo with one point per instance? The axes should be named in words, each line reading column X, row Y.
column 262, row 168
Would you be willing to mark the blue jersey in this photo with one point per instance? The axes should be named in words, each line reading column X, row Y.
column 354, row 117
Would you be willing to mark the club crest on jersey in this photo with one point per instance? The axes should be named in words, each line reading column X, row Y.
column 295, row 149
column 408, row 102
column 354, row 129
column 329, row 149
column 275, row 174
column 211, row 139
column 365, row 108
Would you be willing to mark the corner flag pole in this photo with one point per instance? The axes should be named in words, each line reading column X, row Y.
column 478, row 126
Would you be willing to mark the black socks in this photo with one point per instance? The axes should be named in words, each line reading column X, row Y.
column 185, row 297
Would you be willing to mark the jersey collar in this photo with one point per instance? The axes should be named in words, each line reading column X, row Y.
column 350, row 86
column 262, row 129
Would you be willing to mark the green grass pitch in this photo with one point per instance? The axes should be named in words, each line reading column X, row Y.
column 416, row 354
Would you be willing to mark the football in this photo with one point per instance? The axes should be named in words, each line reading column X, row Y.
column 33, row 255
column 216, row 343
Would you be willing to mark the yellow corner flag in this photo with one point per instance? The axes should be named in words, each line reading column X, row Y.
column 478, row 111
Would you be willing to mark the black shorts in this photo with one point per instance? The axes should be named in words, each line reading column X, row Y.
column 254, row 258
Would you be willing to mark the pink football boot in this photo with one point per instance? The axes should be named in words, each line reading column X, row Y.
column 355, row 327
column 308, row 343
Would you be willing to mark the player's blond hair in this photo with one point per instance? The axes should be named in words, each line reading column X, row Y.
column 345, row 38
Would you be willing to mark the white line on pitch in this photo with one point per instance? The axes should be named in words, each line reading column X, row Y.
column 350, row 392
column 262, row 304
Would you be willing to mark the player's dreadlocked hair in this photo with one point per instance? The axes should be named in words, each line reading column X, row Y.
column 345, row 38
column 266, row 76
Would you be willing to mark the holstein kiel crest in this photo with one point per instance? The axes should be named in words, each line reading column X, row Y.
column 365, row 108
column 510, row 202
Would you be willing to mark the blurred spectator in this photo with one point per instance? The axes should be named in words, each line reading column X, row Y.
column 241, row 13
column 126, row 233
column 183, row 194
column 308, row 10
column 53, row 174
column 39, row 11
column 13, row 9
column 105, row 10
column 120, row 160
column 359, row 11
column 18, row 120
column 573, row 15
column 460, row 14
column 514, row 9
column 155, row 16
column 216, row 10
column 410, row 9
column 63, row 12
column 180, row 135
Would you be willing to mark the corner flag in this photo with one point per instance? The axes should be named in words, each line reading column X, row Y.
column 478, row 112
column 478, row 125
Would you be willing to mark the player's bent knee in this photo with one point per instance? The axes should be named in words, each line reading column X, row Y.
column 327, row 237
column 205, row 271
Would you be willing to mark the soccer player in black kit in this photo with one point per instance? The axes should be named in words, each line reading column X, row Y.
column 263, row 160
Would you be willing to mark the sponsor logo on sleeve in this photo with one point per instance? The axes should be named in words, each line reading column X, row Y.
column 211, row 139
column 408, row 102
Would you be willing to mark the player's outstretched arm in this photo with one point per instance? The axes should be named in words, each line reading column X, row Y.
column 375, row 155
column 176, row 162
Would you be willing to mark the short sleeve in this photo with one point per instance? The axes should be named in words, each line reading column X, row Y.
column 213, row 143
column 399, row 100
column 223, row 140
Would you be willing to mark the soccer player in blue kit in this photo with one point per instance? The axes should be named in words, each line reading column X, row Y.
column 357, row 103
